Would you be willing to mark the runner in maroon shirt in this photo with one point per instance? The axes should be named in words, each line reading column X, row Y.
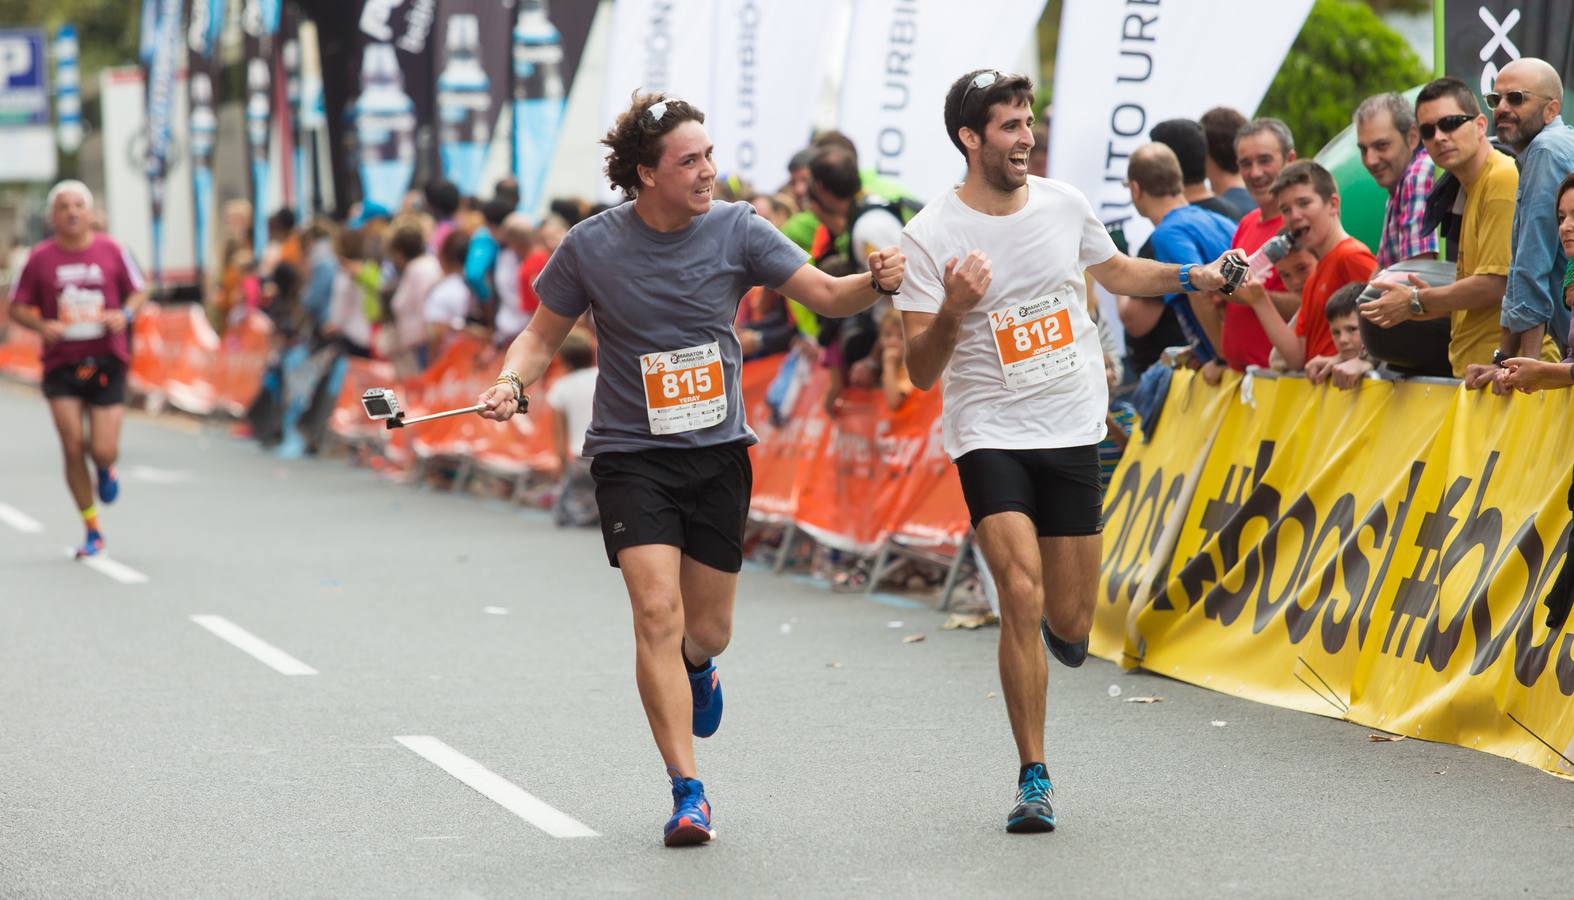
column 79, row 291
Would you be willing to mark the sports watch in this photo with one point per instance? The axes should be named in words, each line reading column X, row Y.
column 1185, row 278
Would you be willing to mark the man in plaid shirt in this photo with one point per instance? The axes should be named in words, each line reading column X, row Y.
column 1385, row 128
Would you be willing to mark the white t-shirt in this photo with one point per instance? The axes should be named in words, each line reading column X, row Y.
column 449, row 301
column 1058, row 396
column 574, row 396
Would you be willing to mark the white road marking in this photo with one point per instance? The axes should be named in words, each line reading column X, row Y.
column 264, row 652
column 496, row 788
column 151, row 475
column 19, row 520
column 495, row 610
column 110, row 568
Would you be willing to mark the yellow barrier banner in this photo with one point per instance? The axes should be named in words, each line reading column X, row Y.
column 1377, row 555
column 1147, row 497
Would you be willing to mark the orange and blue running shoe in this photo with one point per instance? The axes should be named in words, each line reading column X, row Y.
column 706, row 686
column 1032, row 812
column 690, row 822
column 93, row 546
column 108, row 484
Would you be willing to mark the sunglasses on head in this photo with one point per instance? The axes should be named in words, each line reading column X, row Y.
column 651, row 120
column 1447, row 125
column 1515, row 98
column 980, row 82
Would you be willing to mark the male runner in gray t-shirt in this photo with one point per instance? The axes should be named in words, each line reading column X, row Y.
column 663, row 276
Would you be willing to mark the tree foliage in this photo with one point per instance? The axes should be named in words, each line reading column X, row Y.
column 1343, row 55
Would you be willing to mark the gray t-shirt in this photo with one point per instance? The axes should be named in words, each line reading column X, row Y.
column 659, row 293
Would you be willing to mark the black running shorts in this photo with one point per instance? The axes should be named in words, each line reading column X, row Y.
column 696, row 499
column 99, row 381
column 1060, row 489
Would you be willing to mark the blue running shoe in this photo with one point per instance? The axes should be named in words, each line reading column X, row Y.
column 1070, row 655
column 1032, row 813
column 690, row 822
column 93, row 546
column 707, row 701
column 108, row 485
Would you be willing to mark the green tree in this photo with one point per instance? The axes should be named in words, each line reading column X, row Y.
column 1343, row 55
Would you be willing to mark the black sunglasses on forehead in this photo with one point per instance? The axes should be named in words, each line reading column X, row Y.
column 980, row 82
column 1447, row 125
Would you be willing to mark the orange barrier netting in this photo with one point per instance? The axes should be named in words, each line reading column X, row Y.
column 852, row 482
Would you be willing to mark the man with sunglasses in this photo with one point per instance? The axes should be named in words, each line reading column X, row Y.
column 1455, row 135
column 995, row 309
column 663, row 274
column 1526, row 102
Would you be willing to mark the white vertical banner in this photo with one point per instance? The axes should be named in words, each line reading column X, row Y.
column 660, row 45
column 1122, row 68
column 761, row 111
column 901, row 60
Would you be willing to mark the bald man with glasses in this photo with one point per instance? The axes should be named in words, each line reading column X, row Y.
column 1526, row 104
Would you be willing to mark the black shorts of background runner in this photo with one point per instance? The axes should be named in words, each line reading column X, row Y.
column 1060, row 489
column 693, row 498
column 97, row 381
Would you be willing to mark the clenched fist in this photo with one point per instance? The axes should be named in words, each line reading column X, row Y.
column 967, row 281
column 887, row 267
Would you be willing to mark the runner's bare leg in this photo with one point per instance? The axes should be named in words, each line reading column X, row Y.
column 707, row 609
column 1009, row 542
column 1071, row 583
column 652, row 573
column 105, row 441
column 67, row 412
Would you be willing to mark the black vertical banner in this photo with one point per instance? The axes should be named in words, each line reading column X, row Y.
column 409, row 27
column 1482, row 36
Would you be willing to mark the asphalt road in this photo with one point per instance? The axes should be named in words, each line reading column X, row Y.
column 142, row 754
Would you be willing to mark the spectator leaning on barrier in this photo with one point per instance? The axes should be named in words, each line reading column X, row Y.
column 1182, row 234
column 1220, row 127
column 1527, row 102
column 518, row 241
column 1455, row 134
column 1348, row 366
column 1185, row 137
column 1391, row 151
column 1309, row 200
column 1263, row 147
column 450, row 303
column 1528, row 375
column 572, row 401
column 418, row 272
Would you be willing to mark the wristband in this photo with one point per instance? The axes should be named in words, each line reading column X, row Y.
column 875, row 283
column 1185, row 278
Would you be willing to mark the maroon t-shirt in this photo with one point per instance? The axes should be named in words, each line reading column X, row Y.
column 77, row 288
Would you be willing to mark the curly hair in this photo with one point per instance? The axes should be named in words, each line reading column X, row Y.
column 635, row 139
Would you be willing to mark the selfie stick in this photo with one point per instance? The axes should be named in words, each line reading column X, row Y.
column 400, row 421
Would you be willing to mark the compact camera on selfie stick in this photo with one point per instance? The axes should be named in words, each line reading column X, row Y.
column 1234, row 272
column 383, row 404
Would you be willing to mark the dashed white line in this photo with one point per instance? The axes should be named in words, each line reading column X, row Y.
column 496, row 788
column 264, row 652
column 19, row 520
column 103, row 565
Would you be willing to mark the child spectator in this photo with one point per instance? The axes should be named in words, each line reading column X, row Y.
column 449, row 302
column 572, row 398
column 1344, row 323
column 518, row 242
column 349, row 318
column 894, row 381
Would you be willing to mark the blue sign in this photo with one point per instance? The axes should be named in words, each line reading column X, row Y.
column 24, row 84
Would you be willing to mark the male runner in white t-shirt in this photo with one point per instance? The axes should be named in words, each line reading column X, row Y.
column 994, row 307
